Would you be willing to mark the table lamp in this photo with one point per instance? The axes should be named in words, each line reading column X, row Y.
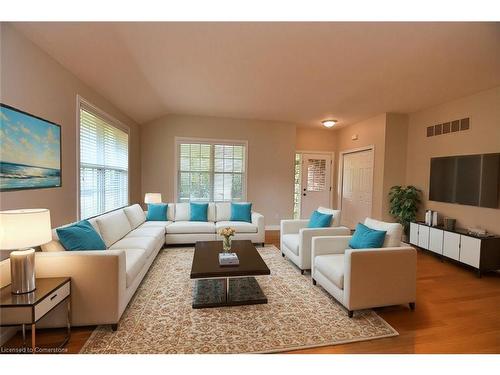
column 152, row 198
column 19, row 231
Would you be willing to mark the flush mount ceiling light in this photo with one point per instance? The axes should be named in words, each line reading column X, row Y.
column 329, row 123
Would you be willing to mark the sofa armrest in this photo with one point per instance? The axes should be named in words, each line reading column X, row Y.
column 292, row 226
column 98, row 282
column 258, row 219
column 379, row 277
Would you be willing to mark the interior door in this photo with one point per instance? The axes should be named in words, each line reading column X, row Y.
column 316, row 183
column 357, row 187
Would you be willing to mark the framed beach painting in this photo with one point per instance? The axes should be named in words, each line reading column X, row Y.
column 30, row 151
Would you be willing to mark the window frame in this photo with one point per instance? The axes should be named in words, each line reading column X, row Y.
column 82, row 102
column 212, row 141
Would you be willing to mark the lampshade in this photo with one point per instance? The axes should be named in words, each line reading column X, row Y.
column 152, row 198
column 21, row 229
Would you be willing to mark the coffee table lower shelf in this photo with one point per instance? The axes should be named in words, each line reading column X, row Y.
column 227, row 292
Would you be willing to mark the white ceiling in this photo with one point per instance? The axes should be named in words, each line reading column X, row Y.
column 295, row 72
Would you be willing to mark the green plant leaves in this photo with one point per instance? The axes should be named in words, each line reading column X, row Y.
column 404, row 203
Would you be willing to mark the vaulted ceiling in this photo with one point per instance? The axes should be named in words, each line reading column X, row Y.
column 295, row 72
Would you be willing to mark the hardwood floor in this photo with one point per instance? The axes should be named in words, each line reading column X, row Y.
column 456, row 312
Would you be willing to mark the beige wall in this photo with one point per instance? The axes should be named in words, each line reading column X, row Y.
column 396, row 134
column 311, row 139
column 271, row 148
column 34, row 82
column 482, row 137
column 370, row 132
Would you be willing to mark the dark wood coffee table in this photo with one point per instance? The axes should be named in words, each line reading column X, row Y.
column 217, row 285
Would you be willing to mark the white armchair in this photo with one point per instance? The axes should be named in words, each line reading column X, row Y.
column 296, row 237
column 366, row 278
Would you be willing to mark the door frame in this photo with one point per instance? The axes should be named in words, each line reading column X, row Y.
column 331, row 154
column 340, row 176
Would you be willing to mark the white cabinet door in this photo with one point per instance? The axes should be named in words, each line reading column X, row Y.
column 436, row 240
column 451, row 245
column 423, row 236
column 470, row 251
column 414, row 233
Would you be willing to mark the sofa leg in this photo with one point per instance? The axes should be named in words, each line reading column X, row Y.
column 283, row 255
column 412, row 305
column 314, row 282
column 302, row 272
column 350, row 313
column 114, row 327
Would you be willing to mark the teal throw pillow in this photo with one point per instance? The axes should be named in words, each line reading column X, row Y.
column 157, row 212
column 367, row 238
column 199, row 211
column 241, row 212
column 80, row 236
column 319, row 220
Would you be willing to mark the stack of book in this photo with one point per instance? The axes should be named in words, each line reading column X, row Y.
column 228, row 259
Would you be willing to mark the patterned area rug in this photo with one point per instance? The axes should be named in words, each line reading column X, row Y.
column 160, row 319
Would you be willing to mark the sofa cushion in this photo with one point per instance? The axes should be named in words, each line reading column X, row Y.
column 156, row 232
column 291, row 241
column 157, row 212
column 147, row 244
column 335, row 215
column 223, row 211
column 113, row 226
column 394, row 231
column 319, row 220
column 191, row 227
column 135, row 259
column 135, row 215
column 182, row 212
column 241, row 212
column 367, row 238
column 80, row 236
column 198, row 211
column 332, row 267
column 155, row 224
column 239, row 226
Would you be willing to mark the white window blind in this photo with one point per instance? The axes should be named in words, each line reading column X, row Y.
column 211, row 171
column 103, row 164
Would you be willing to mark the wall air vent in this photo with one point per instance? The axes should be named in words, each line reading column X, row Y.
column 448, row 127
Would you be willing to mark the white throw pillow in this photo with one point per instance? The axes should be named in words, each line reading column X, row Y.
column 182, row 212
column 113, row 226
column 223, row 211
column 135, row 215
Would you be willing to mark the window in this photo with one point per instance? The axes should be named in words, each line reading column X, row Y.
column 103, row 163
column 211, row 171
column 297, row 186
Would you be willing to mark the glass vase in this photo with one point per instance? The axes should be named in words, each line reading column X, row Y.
column 226, row 244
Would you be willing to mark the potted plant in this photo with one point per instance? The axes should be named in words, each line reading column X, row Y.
column 404, row 203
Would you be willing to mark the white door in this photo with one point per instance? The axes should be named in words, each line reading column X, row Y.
column 316, row 183
column 357, row 186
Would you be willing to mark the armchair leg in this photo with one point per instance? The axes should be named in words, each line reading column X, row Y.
column 314, row 282
column 283, row 255
column 302, row 272
column 412, row 306
column 350, row 313
column 114, row 327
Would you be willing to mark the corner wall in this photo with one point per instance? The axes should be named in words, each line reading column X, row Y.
column 271, row 154
column 34, row 82
column 483, row 137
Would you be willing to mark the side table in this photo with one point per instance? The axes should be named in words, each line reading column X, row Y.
column 29, row 308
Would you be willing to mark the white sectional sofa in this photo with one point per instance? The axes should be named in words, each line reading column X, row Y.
column 104, row 281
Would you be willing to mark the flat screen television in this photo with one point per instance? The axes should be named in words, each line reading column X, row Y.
column 466, row 179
